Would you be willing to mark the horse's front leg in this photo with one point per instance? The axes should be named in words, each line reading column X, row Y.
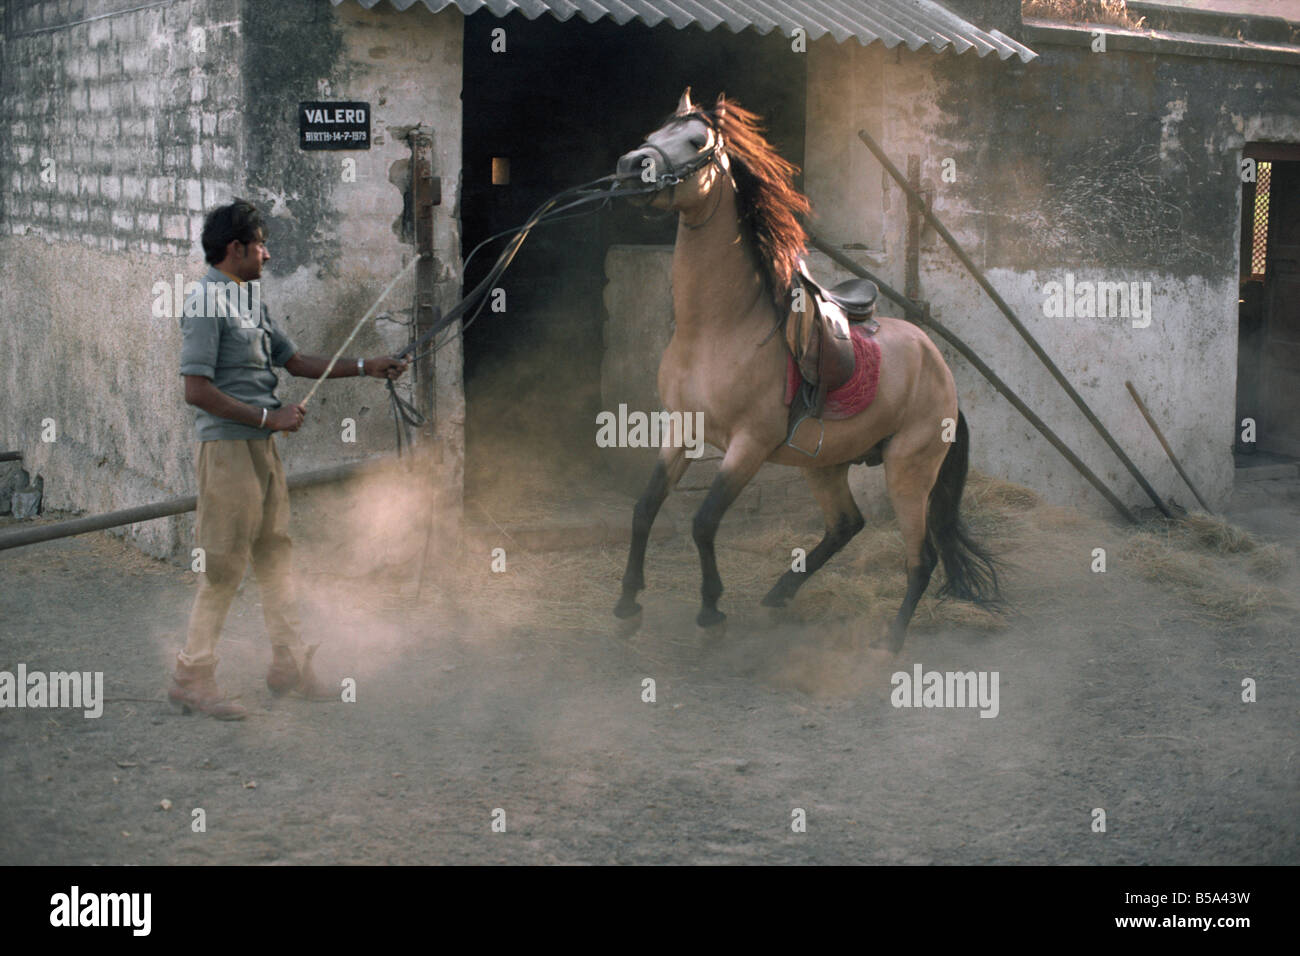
column 741, row 462
column 668, row 471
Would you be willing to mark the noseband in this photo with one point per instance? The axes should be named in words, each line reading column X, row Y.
column 673, row 175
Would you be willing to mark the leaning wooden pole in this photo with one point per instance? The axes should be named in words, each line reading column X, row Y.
column 914, row 310
column 1011, row 317
column 921, row 315
column 1160, row 436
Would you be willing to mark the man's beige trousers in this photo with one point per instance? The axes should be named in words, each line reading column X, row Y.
column 243, row 512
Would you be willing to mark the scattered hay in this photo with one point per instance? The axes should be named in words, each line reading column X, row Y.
column 1212, row 565
column 984, row 492
column 1158, row 559
column 1218, row 572
column 577, row 589
column 1216, row 534
column 1267, row 562
column 994, row 508
column 1239, row 605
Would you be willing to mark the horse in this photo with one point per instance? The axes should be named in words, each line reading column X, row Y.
column 738, row 245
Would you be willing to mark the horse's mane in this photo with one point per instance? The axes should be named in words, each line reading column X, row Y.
column 768, row 202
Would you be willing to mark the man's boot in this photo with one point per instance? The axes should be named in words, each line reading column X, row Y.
column 195, row 688
column 286, row 677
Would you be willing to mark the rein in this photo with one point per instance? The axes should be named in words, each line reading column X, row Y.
column 552, row 210
column 674, row 175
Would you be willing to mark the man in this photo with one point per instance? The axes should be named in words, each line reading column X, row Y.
column 230, row 344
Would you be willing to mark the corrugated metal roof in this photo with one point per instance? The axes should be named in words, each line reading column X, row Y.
column 914, row 23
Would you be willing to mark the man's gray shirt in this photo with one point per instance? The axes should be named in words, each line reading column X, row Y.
column 236, row 352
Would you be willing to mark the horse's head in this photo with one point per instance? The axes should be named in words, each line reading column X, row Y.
column 685, row 157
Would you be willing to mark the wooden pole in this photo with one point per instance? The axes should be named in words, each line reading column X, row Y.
column 426, row 193
column 1165, row 445
column 1011, row 317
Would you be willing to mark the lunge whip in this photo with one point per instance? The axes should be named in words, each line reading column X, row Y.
column 357, row 328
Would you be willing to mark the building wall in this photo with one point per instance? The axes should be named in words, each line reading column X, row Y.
column 121, row 131
column 338, row 230
column 1117, row 167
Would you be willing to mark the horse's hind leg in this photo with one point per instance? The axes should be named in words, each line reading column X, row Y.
column 911, row 469
column 668, row 471
column 830, row 486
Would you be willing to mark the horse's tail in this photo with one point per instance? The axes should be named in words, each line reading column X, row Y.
column 970, row 569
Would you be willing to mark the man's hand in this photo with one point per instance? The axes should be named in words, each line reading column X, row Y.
column 384, row 367
column 286, row 419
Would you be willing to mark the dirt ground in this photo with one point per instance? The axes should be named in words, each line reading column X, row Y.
column 514, row 691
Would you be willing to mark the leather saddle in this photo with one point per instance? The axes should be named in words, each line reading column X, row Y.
column 817, row 332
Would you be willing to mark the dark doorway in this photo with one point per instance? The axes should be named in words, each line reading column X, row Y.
column 1268, row 361
column 555, row 109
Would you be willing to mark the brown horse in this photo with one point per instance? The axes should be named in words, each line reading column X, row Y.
column 738, row 245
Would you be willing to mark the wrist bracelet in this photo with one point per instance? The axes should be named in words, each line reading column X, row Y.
column 361, row 367
column 263, row 422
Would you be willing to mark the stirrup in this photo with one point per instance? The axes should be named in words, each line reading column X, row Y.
column 794, row 428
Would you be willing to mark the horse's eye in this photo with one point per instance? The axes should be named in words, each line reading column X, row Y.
column 698, row 142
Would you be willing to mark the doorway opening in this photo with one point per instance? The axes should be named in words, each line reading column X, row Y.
column 1268, row 352
column 554, row 109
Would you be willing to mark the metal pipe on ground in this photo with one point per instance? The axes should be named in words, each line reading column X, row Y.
column 173, row 506
column 921, row 315
column 965, row 260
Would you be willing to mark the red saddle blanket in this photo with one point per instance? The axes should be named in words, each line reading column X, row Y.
column 858, row 392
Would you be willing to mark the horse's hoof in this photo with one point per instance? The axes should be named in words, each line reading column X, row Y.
column 712, row 622
column 627, row 608
column 625, row 627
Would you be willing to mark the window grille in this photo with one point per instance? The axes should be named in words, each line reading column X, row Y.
column 1259, row 226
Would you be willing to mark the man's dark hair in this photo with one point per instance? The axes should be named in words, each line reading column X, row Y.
column 240, row 221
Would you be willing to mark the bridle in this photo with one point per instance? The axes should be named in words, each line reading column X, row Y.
column 675, row 175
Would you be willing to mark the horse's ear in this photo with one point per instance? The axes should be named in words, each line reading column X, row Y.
column 684, row 105
column 720, row 107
